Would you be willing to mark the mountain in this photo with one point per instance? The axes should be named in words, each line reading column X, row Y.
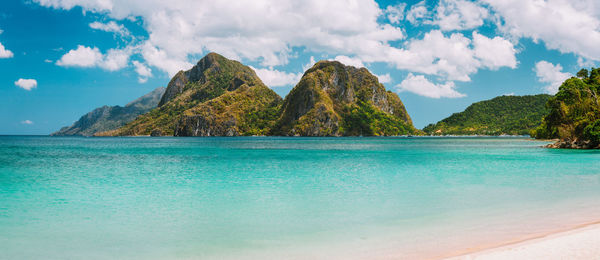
column 217, row 97
column 332, row 99
column 111, row 117
column 574, row 113
column 511, row 115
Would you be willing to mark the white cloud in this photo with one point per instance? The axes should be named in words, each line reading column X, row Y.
column 115, row 59
column 417, row 12
column 254, row 32
column 350, row 61
column 551, row 74
column 87, row 57
column 459, row 15
column 276, row 78
column 395, row 13
column 455, row 57
column 48, row 61
column 27, row 122
column 81, row 57
column 26, row 84
column 311, row 62
column 421, row 86
column 385, row 78
column 111, row 26
column 494, row 53
column 570, row 26
column 143, row 71
column 350, row 31
column 4, row 53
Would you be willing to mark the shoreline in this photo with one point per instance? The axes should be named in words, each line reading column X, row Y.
column 571, row 243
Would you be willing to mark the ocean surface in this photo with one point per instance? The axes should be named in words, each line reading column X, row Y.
column 285, row 198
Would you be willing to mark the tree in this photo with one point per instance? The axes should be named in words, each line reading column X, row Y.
column 583, row 73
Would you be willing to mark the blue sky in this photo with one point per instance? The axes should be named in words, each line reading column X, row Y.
column 62, row 58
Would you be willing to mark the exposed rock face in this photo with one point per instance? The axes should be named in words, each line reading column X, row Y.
column 574, row 144
column 217, row 97
column 111, row 117
column 336, row 100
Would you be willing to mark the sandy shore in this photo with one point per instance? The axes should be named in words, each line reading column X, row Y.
column 582, row 242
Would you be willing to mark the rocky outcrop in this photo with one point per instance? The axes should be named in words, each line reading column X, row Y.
column 217, row 97
column 108, row 118
column 574, row 144
column 332, row 99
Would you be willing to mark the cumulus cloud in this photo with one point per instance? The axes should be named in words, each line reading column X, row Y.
column 320, row 26
column 27, row 122
column 81, row 57
column 350, row 31
column 570, row 26
column 551, row 74
column 395, row 13
column 87, row 57
column 455, row 57
column 385, row 78
column 494, row 53
column 111, row 26
column 417, row 12
column 459, row 15
column 350, row 61
column 26, row 84
column 421, row 86
column 276, row 78
column 142, row 70
column 4, row 53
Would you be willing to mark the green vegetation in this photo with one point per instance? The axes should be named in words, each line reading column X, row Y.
column 220, row 97
column 510, row 115
column 336, row 100
column 574, row 112
column 366, row 120
column 112, row 117
column 217, row 97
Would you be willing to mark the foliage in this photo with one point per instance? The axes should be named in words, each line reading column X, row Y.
column 108, row 118
column 332, row 99
column 223, row 92
column 511, row 115
column 366, row 120
column 574, row 112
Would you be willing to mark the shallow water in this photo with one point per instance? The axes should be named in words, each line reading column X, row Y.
column 292, row 198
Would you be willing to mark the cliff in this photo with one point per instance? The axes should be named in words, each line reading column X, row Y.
column 332, row 99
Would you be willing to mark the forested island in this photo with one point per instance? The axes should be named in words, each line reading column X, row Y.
column 503, row 115
column 222, row 97
column 574, row 113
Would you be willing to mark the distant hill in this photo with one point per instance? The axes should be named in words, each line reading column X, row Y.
column 510, row 115
column 217, row 97
column 574, row 113
column 332, row 99
column 111, row 117
column 222, row 97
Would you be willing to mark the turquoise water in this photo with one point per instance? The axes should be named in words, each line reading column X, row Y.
column 291, row 198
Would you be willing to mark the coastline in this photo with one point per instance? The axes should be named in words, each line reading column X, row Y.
column 579, row 242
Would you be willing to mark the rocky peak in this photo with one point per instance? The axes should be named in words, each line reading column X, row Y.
column 211, row 64
column 327, row 94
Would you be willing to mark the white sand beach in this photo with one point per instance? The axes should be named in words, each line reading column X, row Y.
column 582, row 242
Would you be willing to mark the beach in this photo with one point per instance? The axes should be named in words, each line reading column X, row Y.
column 582, row 242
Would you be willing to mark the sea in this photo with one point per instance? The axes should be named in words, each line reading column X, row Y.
column 286, row 197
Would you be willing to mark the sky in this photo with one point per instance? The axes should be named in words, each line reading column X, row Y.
column 62, row 58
